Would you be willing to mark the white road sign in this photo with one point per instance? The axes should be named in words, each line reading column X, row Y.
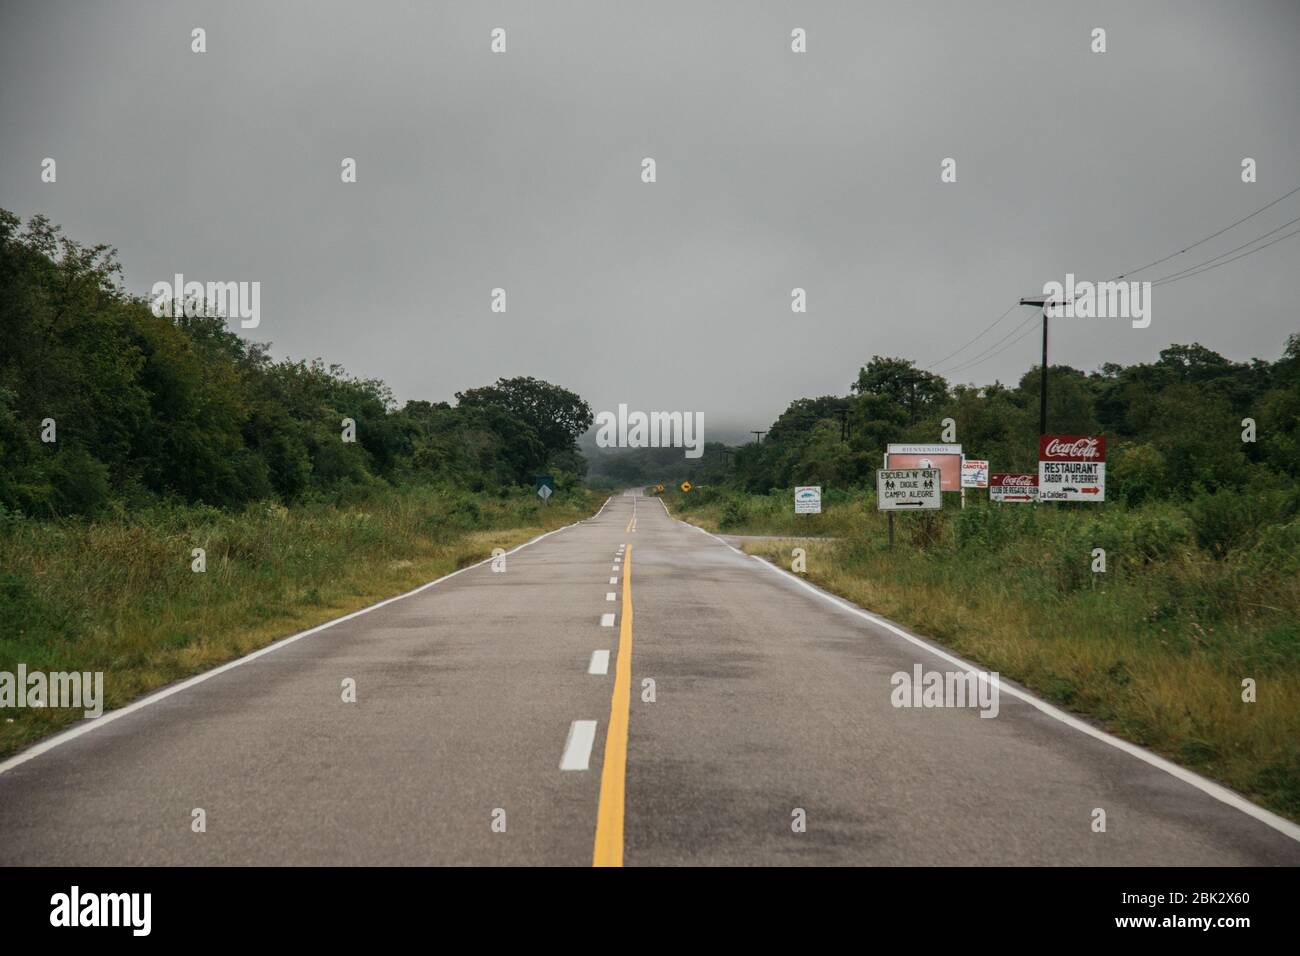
column 808, row 500
column 1072, row 468
column 908, row 489
column 974, row 473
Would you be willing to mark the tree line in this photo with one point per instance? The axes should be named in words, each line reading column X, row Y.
column 1175, row 427
column 105, row 405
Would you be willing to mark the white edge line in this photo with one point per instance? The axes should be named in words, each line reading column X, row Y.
column 577, row 746
column 1206, row 786
column 94, row 723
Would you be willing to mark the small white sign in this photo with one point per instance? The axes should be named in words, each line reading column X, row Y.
column 908, row 489
column 808, row 500
column 974, row 473
column 544, row 492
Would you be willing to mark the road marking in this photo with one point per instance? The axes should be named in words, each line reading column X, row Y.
column 607, row 620
column 94, row 724
column 1208, row 787
column 577, row 749
column 599, row 663
column 608, row 848
column 609, row 595
column 616, row 568
column 613, row 580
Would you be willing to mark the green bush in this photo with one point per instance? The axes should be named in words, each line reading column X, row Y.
column 1232, row 519
column 1154, row 537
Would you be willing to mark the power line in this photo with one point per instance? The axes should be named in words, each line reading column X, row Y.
column 974, row 359
column 972, row 341
column 1162, row 280
column 1207, row 238
column 1205, row 266
column 1216, row 265
column 1186, row 273
column 1028, row 332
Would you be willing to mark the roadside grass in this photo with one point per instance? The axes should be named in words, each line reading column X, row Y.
column 1155, row 649
column 120, row 596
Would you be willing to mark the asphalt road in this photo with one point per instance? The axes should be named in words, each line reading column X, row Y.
column 486, row 731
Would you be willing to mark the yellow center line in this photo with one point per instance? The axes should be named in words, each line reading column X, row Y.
column 608, row 850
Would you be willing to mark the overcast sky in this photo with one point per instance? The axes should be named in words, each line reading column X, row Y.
column 775, row 170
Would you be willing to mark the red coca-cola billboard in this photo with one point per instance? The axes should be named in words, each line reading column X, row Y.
column 1010, row 486
column 1072, row 448
column 1072, row 468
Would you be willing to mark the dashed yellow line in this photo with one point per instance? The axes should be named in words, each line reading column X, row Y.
column 608, row 850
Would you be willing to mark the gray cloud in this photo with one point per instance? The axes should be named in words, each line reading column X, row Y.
column 775, row 171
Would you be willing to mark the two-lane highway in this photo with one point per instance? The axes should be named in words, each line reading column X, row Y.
column 627, row 690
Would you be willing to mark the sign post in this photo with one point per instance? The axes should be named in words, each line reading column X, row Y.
column 909, row 489
column 808, row 500
column 974, row 474
column 1072, row 468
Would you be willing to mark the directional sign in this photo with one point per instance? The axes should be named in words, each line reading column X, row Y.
column 1072, row 468
column 1006, row 486
column 909, row 489
column 544, row 481
column 974, row 473
column 685, row 486
column 945, row 457
column 808, row 500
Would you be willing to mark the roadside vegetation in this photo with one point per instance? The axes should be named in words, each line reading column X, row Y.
column 1201, row 532
column 127, row 440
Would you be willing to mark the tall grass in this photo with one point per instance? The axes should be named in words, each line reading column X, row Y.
column 1195, row 599
column 120, row 596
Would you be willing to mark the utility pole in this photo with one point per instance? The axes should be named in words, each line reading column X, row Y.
column 1045, row 304
column 845, row 428
column 758, row 436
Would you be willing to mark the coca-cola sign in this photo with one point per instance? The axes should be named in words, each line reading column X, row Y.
column 1004, row 486
column 1072, row 468
column 1072, row 448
